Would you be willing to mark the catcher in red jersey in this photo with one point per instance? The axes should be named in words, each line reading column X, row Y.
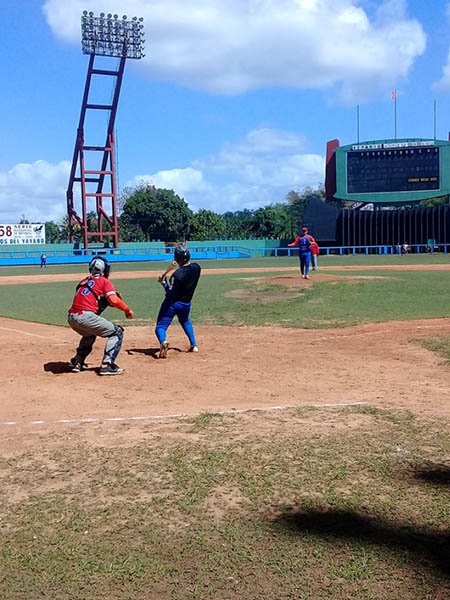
column 93, row 294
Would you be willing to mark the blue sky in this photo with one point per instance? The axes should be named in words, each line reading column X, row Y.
column 234, row 102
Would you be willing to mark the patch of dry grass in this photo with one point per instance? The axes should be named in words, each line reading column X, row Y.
column 307, row 503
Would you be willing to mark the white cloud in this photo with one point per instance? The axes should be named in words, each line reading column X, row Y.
column 233, row 46
column 182, row 181
column 444, row 82
column 255, row 171
column 36, row 190
column 258, row 170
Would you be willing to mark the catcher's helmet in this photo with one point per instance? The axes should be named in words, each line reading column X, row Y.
column 99, row 266
column 182, row 254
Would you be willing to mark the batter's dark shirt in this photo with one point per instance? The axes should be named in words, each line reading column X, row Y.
column 183, row 283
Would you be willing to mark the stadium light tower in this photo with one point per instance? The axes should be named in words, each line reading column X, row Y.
column 108, row 36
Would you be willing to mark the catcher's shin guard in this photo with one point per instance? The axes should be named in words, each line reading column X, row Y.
column 112, row 351
column 85, row 348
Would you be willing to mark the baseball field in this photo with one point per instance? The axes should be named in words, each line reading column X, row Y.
column 303, row 453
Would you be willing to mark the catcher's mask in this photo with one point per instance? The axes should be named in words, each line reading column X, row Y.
column 182, row 254
column 99, row 266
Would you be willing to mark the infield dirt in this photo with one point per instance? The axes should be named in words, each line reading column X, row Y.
column 236, row 368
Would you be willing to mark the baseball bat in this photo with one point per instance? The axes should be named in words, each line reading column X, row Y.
column 170, row 268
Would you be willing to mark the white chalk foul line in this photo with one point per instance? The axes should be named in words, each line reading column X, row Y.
column 178, row 415
column 44, row 337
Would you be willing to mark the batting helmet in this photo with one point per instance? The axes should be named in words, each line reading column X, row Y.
column 99, row 266
column 182, row 254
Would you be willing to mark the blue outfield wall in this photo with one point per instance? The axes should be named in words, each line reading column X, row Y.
column 261, row 243
column 24, row 257
column 162, row 253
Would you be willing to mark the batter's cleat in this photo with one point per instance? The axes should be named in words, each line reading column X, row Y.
column 110, row 369
column 163, row 349
column 193, row 348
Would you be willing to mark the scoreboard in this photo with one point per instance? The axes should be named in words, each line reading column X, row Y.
column 405, row 170
column 392, row 171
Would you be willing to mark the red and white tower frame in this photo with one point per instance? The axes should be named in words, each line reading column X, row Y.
column 109, row 36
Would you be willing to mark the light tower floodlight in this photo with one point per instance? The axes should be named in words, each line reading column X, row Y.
column 111, row 37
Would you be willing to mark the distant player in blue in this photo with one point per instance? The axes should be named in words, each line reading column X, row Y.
column 304, row 242
column 43, row 261
column 179, row 292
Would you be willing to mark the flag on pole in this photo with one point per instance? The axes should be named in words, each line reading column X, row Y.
column 394, row 94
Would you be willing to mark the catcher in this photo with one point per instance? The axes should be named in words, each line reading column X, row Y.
column 93, row 295
column 179, row 291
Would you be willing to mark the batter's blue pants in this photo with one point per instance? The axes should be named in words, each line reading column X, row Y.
column 305, row 259
column 165, row 317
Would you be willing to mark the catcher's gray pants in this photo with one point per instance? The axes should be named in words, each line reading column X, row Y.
column 89, row 326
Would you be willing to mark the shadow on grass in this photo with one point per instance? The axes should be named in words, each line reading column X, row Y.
column 153, row 352
column 435, row 474
column 418, row 544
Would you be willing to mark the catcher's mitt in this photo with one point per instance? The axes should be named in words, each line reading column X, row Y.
column 103, row 303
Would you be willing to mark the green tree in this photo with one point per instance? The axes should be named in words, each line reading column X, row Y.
column 129, row 232
column 273, row 221
column 440, row 201
column 207, row 225
column 52, row 233
column 297, row 205
column 64, row 231
column 238, row 224
column 298, row 202
column 159, row 213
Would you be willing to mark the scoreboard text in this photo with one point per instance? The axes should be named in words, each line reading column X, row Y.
column 393, row 168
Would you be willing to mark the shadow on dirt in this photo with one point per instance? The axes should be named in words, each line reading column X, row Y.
column 434, row 474
column 418, row 544
column 57, row 368
column 153, row 352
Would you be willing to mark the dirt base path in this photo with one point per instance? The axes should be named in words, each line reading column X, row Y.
column 238, row 368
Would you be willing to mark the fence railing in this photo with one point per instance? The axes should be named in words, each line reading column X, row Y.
column 33, row 257
column 380, row 249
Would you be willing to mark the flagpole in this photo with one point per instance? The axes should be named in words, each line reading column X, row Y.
column 395, row 114
column 357, row 122
column 435, row 119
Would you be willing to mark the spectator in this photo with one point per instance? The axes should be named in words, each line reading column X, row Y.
column 315, row 251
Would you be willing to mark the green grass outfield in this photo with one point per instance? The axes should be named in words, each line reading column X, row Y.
column 240, row 299
column 241, row 263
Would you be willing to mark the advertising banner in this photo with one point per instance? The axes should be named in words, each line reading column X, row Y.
column 26, row 233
